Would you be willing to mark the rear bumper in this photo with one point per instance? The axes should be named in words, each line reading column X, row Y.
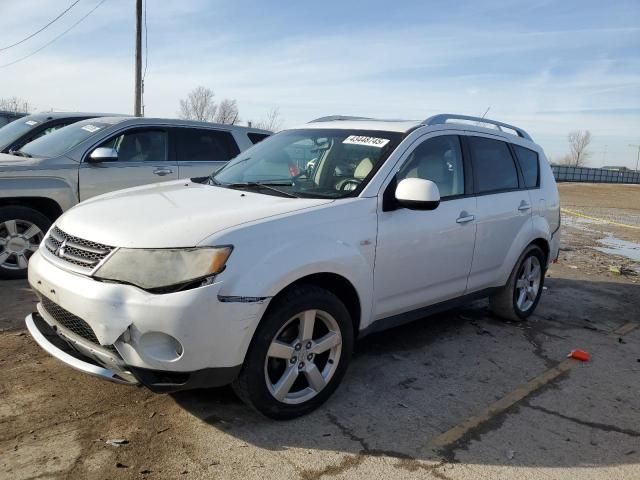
column 96, row 362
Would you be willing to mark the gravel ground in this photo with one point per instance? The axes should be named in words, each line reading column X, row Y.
column 460, row 395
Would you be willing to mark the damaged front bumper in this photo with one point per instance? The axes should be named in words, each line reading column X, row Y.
column 77, row 354
column 188, row 339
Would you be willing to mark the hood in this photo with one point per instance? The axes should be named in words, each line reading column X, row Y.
column 172, row 214
column 8, row 161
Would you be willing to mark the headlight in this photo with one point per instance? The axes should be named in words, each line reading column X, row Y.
column 156, row 268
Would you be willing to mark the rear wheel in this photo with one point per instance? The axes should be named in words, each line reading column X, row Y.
column 21, row 231
column 298, row 355
column 518, row 299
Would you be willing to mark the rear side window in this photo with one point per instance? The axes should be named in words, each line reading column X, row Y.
column 205, row 145
column 493, row 165
column 529, row 165
column 256, row 137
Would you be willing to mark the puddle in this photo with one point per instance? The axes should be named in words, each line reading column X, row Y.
column 615, row 246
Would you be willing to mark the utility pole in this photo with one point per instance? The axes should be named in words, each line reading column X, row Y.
column 638, row 159
column 137, row 103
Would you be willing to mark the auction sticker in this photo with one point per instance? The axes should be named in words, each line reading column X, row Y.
column 367, row 141
column 31, row 123
column 91, row 128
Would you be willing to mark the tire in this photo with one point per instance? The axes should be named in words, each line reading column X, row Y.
column 507, row 302
column 295, row 362
column 21, row 231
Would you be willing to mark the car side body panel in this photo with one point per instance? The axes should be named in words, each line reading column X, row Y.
column 337, row 238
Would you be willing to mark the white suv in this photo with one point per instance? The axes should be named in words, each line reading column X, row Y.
column 265, row 274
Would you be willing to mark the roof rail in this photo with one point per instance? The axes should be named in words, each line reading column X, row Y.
column 443, row 117
column 331, row 118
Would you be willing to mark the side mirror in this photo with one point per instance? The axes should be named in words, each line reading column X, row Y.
column 103, row 154
column 418, row 194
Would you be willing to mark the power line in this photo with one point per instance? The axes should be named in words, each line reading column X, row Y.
column 56, row 38
column 47, row 25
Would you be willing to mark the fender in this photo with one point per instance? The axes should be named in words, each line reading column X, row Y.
column 537, row 228
column 54, row 188
column 339, row 240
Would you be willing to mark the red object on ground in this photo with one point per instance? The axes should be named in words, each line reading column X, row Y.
column 579, row 355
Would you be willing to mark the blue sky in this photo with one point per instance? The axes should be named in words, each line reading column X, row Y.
column 549, row 67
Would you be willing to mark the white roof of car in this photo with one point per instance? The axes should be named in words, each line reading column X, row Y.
column 403, row 126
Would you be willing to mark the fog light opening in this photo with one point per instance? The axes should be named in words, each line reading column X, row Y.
column 160, row 347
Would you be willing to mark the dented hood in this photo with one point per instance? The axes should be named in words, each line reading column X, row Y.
column 181, row 213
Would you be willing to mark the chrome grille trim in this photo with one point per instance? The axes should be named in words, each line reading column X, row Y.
column 78, row 254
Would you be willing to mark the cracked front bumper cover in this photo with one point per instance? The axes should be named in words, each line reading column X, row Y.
column 59, row 348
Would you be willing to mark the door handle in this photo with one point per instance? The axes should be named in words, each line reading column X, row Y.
column 524, row 206
column 465, row 219
column 162, row 171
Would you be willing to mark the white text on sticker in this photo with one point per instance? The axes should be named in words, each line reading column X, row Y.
column 368, row 141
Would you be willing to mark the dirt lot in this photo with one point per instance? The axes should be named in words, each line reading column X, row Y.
column 461, row 395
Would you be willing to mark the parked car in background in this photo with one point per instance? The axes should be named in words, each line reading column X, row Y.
column 8, row 116
column 53, row 173
column 18, row 133
column 264, row 274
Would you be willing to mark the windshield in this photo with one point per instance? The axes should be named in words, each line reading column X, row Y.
column 61, row 141
column 319, row 163
column 17, row 128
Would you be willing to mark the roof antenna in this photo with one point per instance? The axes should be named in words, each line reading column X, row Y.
column 486, row 111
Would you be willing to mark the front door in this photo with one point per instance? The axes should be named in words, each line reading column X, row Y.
column 142, row 158
column 424, row 257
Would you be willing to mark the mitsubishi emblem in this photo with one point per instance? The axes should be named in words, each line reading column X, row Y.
column 61, row 249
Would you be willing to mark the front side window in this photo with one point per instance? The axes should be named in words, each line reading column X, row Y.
column 437, row 159
column 528, row 160
column 139, row 146
column 205, row 145
column 320, row 163
column 493, row 165
column 61, row 141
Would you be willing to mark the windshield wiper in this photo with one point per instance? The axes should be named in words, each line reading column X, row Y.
column 19, row 153
column 265, row 185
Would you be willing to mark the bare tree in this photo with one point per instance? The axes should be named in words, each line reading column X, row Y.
column 15, row 104
column 273, row 121
column 199, row 105
column 579, row 141
column 227, row 112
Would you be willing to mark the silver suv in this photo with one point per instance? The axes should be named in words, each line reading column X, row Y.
column 53, row 173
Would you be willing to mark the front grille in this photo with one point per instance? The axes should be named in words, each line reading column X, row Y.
column 72, row 323
column 74, row 250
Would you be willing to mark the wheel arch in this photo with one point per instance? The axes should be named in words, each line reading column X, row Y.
column 543, row 244
column 340, row 286
column 46, row 206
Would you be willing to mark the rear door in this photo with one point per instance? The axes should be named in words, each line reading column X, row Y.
column 201, row 152
column 503, row 208
column 142, row 158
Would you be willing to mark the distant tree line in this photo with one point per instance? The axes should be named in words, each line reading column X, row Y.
column 200, row 104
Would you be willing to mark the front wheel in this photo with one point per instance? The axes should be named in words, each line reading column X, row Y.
column 21, row 231
column 518, row 299
column 298, row 355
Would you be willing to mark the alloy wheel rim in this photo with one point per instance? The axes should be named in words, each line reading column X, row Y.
column 303, row 356
column 19, row 239
column 528, row 283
